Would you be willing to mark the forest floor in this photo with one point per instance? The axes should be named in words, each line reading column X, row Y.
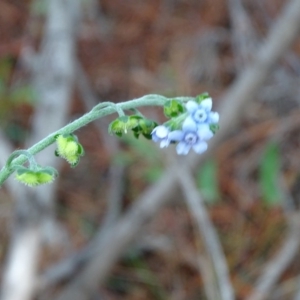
column 132, row 48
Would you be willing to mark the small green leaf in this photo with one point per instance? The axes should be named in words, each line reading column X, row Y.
column 147, row 126
column 80, row 150
column 269, row 175
column 136, row 135
column 153, row 173
column 207, row 181
column 202, row 97
column 148, row 136
column 214, row 128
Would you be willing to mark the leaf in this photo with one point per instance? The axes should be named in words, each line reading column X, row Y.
column 214, row 128
column 207, row 181
column 269, row 174
column 153, row 173
column 202, row 97
column 23, row 94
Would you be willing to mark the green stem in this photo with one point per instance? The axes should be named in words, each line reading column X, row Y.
column 116, row 107
column 137, row 112
column 97, row 112
column 17, row 153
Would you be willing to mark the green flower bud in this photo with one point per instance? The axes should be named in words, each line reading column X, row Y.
column 35, row 177
column 173, row 108
column 119, row 126
column 69, row 148
column 147, row 127
column 138, row 124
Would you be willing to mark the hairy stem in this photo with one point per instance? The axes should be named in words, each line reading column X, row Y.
column 147, row 100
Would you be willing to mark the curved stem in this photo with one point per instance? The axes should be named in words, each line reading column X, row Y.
column 113, row 105
column 137, row 112
column 97, row 112
column 18, row 153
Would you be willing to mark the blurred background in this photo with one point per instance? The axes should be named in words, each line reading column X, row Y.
column 58, row 59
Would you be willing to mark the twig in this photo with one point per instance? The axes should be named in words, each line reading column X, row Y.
column 65, row 268
column 279, row 263
column 6, row 149
column 116, row 171
column 206, row 228
column 297, row 295
column 53, row 83
column 285, row 289
column 244, row 38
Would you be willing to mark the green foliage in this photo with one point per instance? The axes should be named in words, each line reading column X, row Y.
column 207, row 181
column 173, row 108
column 214, row 128
column 39, row 7
column 142, row 274
column 35, row 177
column 269, row 175
column 146, row 154
column 202, row 97
column 138, row 124
column 69, row 148
column 67, row 140
column 119, row 126
column 22, row 94
column 144, row 127
column 11, row 98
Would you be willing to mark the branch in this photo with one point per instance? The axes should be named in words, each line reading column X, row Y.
column 33, row 207
column 206, row 228
column 95, row 113
column 279, row 263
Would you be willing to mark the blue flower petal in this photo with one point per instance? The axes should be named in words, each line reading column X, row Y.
column 191, row 106
column 176, row 135
column 183, row 148
column 160, row 132
column 214, row 118
column 204, row 132
column 155, row 138
column 200, row 147
column 189, row 124
column 164, row 143
column 206, row 104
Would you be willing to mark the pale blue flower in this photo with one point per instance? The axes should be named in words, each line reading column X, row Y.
column 201, row 113
column 161, row 134
column 191, row 136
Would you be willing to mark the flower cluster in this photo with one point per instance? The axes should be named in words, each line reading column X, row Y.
column 191, row 129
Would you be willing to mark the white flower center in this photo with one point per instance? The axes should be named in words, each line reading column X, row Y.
column 200, row 115
column 191, row 138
